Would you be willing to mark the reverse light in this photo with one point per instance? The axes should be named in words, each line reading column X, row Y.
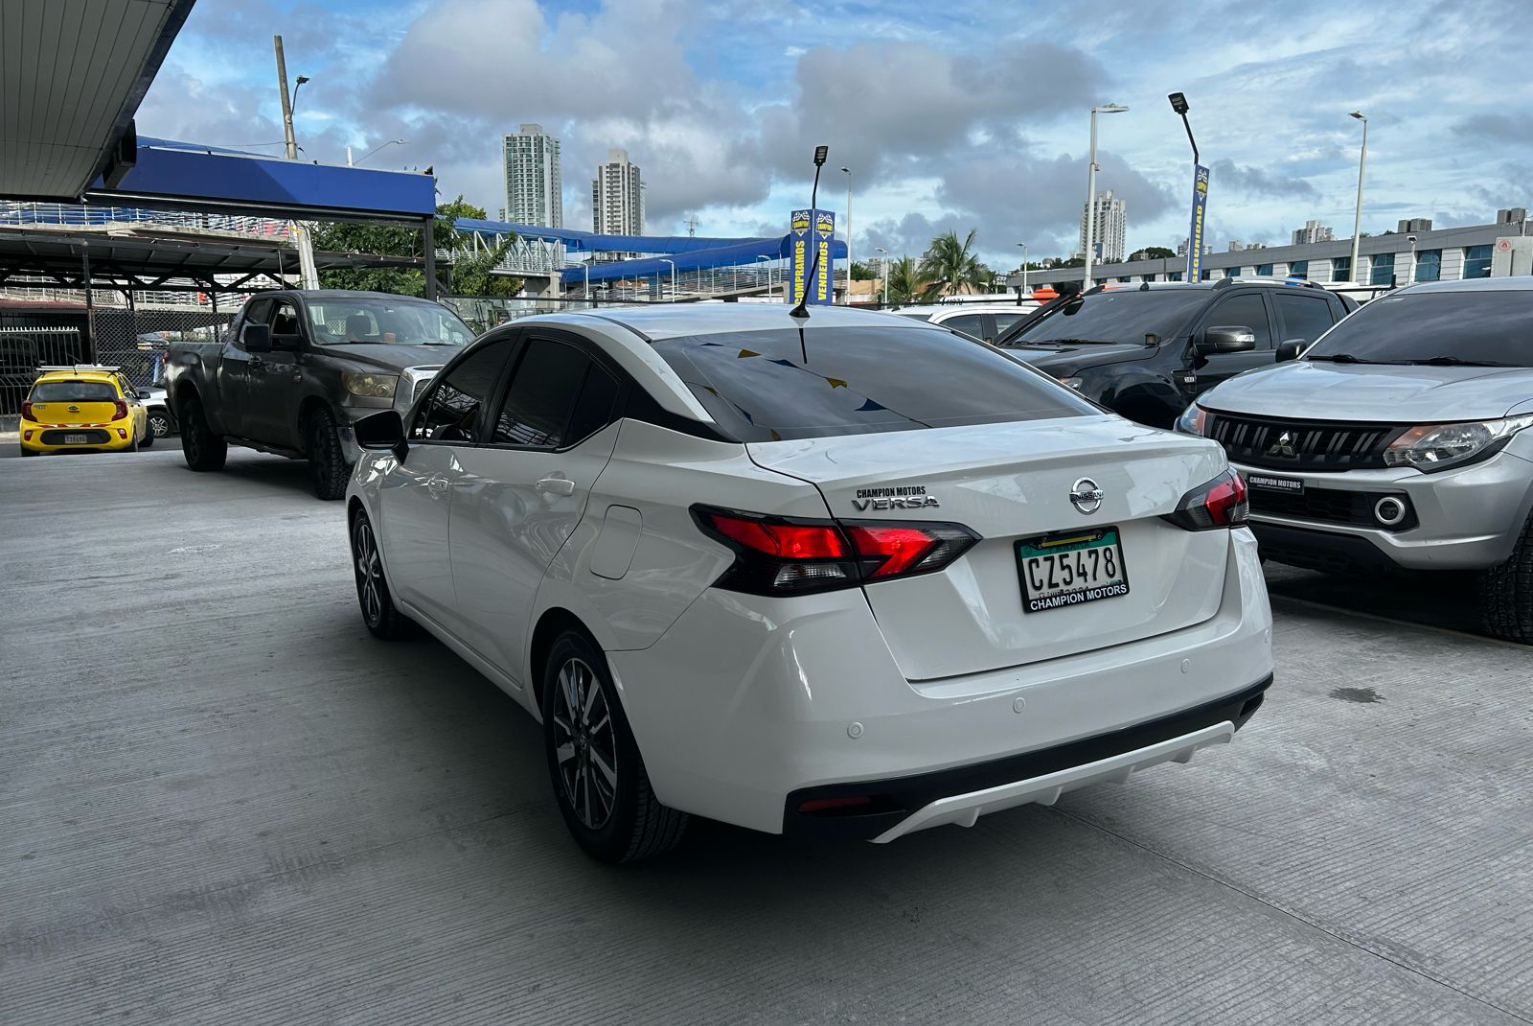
column 795, row 555
column 377, row 386
column 1433, row 447
column 1222, row 502
column 1192, row 420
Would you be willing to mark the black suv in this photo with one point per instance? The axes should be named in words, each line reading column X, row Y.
column 1145, row 351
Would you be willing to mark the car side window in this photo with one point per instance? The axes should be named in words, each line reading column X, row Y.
column 285, row 320
column 557, row 397
column 972, row 325
column 450, row 412
column 1306, row 317
column 1246, row 309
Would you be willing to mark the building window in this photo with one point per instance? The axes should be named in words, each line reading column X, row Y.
column 1175, row 276
column 1264, row 270
column 1298, row 269
column 1429, row 263
column 1341, row 268
column 1477, row 261
column 1381, row 269
column 1208, row 273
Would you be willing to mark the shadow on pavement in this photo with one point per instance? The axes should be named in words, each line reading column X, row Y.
column 1443, row 599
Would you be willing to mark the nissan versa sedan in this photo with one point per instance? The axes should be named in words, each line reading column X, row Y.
column 850, row 576
column 1401, row 439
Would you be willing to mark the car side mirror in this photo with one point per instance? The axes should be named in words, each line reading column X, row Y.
column 1289, row 349
column 382, row 432
column 1227, row 338
column 256, row 338
column 144, row 393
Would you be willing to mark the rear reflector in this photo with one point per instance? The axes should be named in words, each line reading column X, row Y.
column 793, row 555
column 1221, row 502
column 835, row 804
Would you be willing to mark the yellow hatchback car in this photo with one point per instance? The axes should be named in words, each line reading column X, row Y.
column 84, row 408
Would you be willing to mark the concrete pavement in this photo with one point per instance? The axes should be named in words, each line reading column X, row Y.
column 222, row 801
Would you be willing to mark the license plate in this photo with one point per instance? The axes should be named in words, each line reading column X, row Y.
column 1069, row 568
column 1291, row 485
column 74, row 439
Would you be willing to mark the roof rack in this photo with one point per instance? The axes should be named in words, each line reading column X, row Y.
column 1226, row 281
column 79, row 368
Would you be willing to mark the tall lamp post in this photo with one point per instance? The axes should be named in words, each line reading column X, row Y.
column 663, row 260
column 1357, row 220
column 1024, row 268
column 848, row 172
column 884, row 260
column 1199, row 193
column 1091, row 188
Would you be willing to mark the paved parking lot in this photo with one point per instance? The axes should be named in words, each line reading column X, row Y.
column 222, row 801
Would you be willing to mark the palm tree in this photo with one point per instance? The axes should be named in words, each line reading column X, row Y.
column 905, row 281
column 951, row 267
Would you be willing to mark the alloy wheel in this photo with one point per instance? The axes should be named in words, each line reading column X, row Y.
column 585, row 743
column 369, row 571
column 159, row 425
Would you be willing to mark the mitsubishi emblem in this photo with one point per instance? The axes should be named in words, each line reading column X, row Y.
column 1283, row 446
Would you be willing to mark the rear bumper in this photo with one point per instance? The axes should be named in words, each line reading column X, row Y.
column 102, row 439
column 961, row 795
column 747, row 701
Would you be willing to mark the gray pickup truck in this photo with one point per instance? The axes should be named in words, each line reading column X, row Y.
column 298, row 368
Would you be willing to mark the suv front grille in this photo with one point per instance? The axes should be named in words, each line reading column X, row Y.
column 1301, row 445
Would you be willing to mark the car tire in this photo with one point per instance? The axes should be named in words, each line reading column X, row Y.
column 29, row 452
column 202, row 448
column 327, row 462
column 383, row 619
column 598, row 775
column 132, row 444
column 159, row 423
column 148, row 440
column 1506, row 592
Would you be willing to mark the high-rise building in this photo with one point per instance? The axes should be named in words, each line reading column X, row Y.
column 617, row 197
column 533, row 184
column 1110, row 230
column 1312, row 232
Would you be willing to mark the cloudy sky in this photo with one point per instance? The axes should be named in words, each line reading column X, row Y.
column 956, row 114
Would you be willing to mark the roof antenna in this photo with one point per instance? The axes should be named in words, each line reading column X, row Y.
column 801, row 310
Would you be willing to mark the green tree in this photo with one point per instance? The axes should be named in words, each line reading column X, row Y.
column 951, row 267
column 862, row 272
column 469, row 276
column 1152, row 253
column 905, row 281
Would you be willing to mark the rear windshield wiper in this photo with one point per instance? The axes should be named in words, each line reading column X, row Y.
column 1340, row 358
column 1455, row 361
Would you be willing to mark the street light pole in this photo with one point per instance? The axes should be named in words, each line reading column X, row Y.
column 884, row 260
column 1357, row 220
column 1091, row 189
column 1024, row 267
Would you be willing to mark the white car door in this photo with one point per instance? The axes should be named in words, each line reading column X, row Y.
column 521, row 493
column 416, row 494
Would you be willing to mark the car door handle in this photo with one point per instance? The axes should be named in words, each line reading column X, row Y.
column 437, row 484
column 556, row 486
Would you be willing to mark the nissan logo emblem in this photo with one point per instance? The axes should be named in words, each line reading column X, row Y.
column 1086, row 496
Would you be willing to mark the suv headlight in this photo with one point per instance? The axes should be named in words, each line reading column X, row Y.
column 1433, row 447
column 379, row 386
column 1191, row 420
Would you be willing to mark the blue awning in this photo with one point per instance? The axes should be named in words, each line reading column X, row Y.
column 179, row 175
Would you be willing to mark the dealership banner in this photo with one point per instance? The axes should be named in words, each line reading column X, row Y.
column 1195, row 233
column 810, row 232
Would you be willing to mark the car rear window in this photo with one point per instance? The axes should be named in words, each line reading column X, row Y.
column 767, row 385
column 73, row 392
column 1117, row 316
column 1489, row 328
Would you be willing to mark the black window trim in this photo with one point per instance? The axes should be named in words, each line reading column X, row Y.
column 511, row 336
column 597, row 360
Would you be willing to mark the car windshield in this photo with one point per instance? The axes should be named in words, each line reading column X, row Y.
column 1469, row 328
column 1122, row 315
column 759, row 386
column 73, row 392
column 389, row 322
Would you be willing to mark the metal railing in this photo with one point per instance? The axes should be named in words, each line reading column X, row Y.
column 81, row 214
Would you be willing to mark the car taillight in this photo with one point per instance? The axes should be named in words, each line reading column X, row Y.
column 119, row 410
column 26, row 410
column 794, row 555
column 1221, row 502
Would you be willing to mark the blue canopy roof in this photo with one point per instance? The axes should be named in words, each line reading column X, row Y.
column 193, row 176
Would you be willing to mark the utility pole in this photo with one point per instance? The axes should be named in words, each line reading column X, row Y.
column 306, row 269
column 1357, row 219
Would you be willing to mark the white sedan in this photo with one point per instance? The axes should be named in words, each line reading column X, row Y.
column 851, row 576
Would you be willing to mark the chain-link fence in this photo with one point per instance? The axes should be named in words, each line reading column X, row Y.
column 136, row 340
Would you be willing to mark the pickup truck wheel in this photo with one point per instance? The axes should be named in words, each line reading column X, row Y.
column 202, row 448
column 378, row 611
column 598, row 775
column 327, row 462
column 1506, row 592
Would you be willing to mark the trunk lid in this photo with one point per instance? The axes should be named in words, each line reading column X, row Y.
column 1008, row 483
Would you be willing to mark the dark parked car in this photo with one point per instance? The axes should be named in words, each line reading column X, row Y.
column 298, row 368
column 1147, row 350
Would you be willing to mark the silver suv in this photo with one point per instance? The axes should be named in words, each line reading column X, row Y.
column 1398, row 439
